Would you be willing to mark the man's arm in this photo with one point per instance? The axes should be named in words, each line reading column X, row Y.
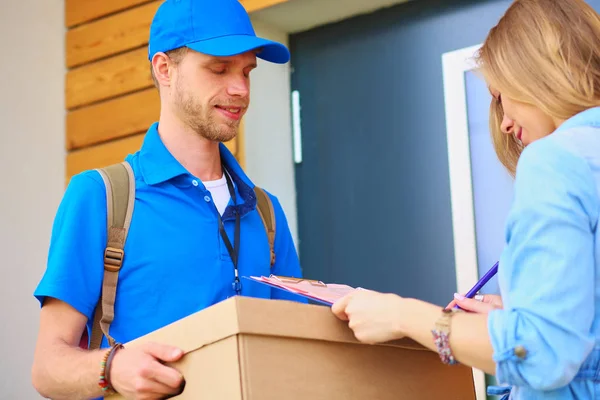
column 62, row 370
column 68, row 294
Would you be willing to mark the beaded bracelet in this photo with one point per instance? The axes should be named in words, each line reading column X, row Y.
column 104, row 380
column 441, row 335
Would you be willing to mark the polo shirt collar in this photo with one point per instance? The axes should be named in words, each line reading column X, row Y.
column 156, row 162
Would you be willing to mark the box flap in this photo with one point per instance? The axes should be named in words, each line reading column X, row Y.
column 295, row 320
column 246, row 315
column 196, row 330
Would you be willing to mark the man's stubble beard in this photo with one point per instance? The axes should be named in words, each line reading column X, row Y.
column 201, row 120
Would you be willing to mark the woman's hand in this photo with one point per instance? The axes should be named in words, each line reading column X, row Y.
column 481, row 304
column 373, row 317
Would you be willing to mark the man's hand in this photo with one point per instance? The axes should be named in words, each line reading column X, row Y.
column 139, row 373
column 481, row 304
column 63, row 371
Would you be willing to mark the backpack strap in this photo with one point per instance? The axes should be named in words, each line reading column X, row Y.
column 120, row 196
column 267, row 214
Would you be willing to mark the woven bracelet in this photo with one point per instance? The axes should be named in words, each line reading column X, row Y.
column 104, row 380
column 441, row 335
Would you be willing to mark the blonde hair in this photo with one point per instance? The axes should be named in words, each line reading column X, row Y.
column 544, row 53
column 507, row 147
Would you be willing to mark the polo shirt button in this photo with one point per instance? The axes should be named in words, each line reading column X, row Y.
column 207, row 199
column 195, row 182
column 520, row 352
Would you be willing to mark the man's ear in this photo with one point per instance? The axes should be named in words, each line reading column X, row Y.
column 162, row 67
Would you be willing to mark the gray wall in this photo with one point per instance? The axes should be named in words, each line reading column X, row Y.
column 32, row 168
column 373, row 189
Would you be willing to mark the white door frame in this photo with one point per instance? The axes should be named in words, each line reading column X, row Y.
column 455, row 64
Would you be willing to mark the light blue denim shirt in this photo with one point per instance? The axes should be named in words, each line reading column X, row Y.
column 546, row 339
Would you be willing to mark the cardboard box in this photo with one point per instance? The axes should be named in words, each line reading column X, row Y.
column 253, row 349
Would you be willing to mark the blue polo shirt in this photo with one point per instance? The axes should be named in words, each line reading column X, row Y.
column 176, row 263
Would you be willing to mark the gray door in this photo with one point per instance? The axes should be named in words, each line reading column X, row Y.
column 373, row 185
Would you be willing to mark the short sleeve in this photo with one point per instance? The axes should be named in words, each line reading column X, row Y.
column 74, row 268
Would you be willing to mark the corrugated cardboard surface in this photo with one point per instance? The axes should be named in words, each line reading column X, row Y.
column 252, row 349
column 298, row 369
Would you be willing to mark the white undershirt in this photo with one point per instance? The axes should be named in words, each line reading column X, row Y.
column 220, row 193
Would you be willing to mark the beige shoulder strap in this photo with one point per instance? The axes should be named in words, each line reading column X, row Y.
column 120, row 196
column 267, row 214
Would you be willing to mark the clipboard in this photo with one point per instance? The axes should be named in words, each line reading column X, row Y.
column 324, row 293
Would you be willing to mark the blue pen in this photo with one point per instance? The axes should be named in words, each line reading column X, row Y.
column 481, row 283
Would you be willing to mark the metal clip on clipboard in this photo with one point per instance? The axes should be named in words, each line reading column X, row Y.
column 287, row 279
column 311, row 289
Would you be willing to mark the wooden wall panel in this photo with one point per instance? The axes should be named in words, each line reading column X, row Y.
column 79, row 11
column 109, row 120
column 111, row 152
column 108, row 78
column 110, row 97
column 102, row 155
column 107, row 36
column 122, row 31
column 255, row 5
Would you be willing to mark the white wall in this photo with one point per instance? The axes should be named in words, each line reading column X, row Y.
column 32, row 170
column 268, row 137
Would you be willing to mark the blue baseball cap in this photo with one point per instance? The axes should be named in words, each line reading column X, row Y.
column 215, row 27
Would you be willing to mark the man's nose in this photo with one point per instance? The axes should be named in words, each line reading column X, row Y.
column 239, row 87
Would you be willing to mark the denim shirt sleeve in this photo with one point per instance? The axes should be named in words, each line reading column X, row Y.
column 286, row 256
column 542, row 336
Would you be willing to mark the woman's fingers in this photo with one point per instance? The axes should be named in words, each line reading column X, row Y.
column 480, row 304
column 451, row 304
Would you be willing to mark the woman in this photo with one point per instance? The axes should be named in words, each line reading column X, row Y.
column 542, row 64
